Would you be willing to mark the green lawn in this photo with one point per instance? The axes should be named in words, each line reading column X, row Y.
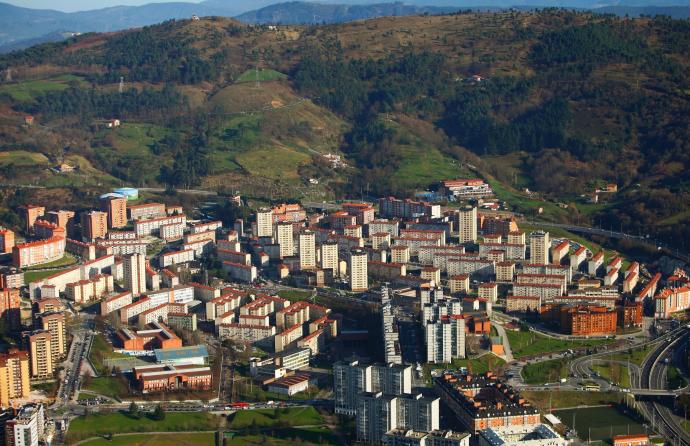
column 278, row 162
column 109, row 386
column 633, row 355
column 22, row 158
column 675, row 378
column 67, row 260
column 524, row 343
column 100, row 350
column 265, row 75
column 186, row 439
column 285, row 437
column 292, row 416
column 295, row 295
column 33, row 276
column 423, row 165
column 545, row 372
column 119, row 422
column 614, row 372
column 560, row 399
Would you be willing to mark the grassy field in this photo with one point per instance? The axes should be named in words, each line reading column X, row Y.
column 293, row 416
column 524, row 343
column 100, row 350
column 562, row 399
column 294, row 294
column 67, row 260
column 545, row 371
column 286, row 437
column 186, row 439
column 28, row 90
column 599, row 423
column 423, row 165
column 118, row 422
column 265, row 75
column 32, row 276
column 278, row 162
column 108, row 386
column 22, row 158
column 614, row 372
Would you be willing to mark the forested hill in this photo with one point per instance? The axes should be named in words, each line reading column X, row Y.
column 562, row 103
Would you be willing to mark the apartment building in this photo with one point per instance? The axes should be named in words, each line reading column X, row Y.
column 146, row 210
column 307, row 250
column 445, row 339
column 407, row 209
column 28, row 214
column 428, row 234
column 539, row 246
column 357, row 268
column 94, row 225
column 45, row 229
column 595, row 263
column 27, row 428
column 114, row 303
column 14, row 376
column 246, row 333
column 183, row 321
column 379, row 413
column 522, row 304
column 353, row 231
column 144, row 227
column 239, row 272
column 90, row 289
column 427, row 254
column 577, row 258
column 135, row 273
column 10, row 308
column 364, row 212
column 264, row 223
column 285, row 238
column 54, row 323
column 176, row 257
column 467, row 225
column 475, row 267
column 291, row 213
column 39, row 346
column 6, row 241
column 560, row 251
column 392, row 227
column 116, row 208
column 671, row 300
column 35, row 253
column 400, row 254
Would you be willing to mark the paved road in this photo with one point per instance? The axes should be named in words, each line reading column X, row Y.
column 653, row 376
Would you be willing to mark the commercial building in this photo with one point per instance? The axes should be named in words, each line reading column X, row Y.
column 134, row 267
column 483, row 401
column 357, row 268
column 156, row 335
column 38, row 252
column 163, row 378
column 290, row 385
column 94, row 225
column 14, row 376
column 631, row 440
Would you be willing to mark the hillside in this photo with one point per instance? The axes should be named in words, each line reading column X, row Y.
column 566, row 102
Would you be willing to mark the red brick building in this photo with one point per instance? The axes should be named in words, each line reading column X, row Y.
column 629, row 314
column 581, row 320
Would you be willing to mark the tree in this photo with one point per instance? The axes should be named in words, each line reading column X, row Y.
column 158, row 413
column 134, row 410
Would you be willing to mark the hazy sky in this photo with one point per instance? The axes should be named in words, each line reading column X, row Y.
column 82, row 5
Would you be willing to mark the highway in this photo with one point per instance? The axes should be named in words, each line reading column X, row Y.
column 653, row 376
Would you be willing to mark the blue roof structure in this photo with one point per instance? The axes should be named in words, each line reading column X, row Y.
column 176, row 354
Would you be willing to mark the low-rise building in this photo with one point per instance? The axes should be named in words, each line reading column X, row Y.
column 164, row 378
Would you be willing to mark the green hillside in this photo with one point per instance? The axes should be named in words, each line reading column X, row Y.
column 565, row 102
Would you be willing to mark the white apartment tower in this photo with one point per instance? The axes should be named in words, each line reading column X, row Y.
column 329, row 257
column 467, row 224
column 539, row 246
column 264, row 222
column 307, row 250
column 134, row 267
column 445, row 340
column 285, row 239
column 359, row 280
